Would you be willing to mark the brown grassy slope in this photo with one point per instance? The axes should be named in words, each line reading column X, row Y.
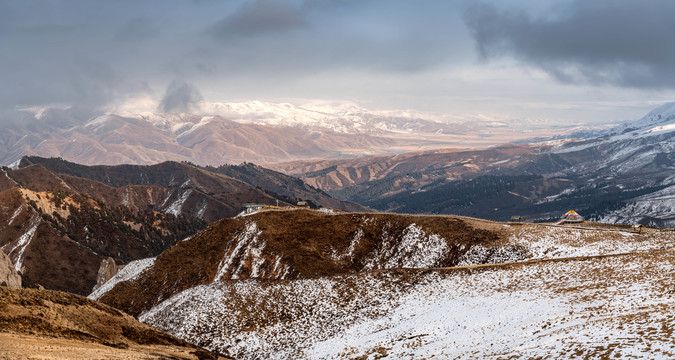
column 65, row 251
column 38, row 177
column 284, row 185
column 61, row 315
column 155, row 186
column 292, row 244
column 6, row 182
column 49, row 259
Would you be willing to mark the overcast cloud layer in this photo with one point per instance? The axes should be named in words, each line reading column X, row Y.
column 559, row 60
column 619, row 42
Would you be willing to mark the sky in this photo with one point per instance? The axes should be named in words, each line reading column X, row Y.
column 573, row 61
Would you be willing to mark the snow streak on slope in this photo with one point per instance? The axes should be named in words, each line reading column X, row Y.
column 604, row 307
column 17, row 251
column 414, row 249
column 129, row 272
column 659, row 205
column 246, row 259
column 14, row 215
column 176, row 207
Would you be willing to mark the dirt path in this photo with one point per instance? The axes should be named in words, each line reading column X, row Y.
column 562, row 259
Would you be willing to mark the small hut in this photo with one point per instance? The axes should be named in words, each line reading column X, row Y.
column 252, row 207
column 516, row 220
column 571, row 217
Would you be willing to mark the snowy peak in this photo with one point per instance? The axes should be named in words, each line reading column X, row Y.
column 341, row 118
column 659, row 118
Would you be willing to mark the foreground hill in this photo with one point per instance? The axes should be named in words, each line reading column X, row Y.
column 57, row 325
column 623, row 176
column 307, row 284
column 299, row 244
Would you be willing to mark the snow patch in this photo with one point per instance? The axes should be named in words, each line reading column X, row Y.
column 177, row 206
column 129, row 272
column 552, row 309
column 14, row 165
column 327, row 211
column 246, row 259
column 16, row 213
column 23, row 241
column 350, row 249
column 414, row 249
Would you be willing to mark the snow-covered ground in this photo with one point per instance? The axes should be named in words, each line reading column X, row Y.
column 613, row 307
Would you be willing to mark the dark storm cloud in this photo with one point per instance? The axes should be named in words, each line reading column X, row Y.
column 91, row 53
column 260, row 17
column 180, row 97
column 302, row 37
column 620, row 42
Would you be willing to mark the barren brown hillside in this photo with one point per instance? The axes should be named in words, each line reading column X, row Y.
column 58, row 240
column 51, row 324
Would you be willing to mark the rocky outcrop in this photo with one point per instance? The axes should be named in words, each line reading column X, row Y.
column 8, row 275
column 107, row 270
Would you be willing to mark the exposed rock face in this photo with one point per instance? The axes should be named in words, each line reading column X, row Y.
column 107, row 270
column 8, row 274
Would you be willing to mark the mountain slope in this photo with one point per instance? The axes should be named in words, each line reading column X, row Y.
column 91, row 138
column 563, row 309
column 297, row 244
column 61, row 221
column 208, row 193
column 59, row 240
column 303, row 284
column 284, row 186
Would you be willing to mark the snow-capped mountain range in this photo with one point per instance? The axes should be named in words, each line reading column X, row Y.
column 253, row 131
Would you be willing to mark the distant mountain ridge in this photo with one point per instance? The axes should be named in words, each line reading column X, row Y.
column 625, row 175
column 206, row 192
column 254, row 131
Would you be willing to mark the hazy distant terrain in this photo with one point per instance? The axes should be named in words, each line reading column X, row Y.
column 624, row 175
column 231, row 133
